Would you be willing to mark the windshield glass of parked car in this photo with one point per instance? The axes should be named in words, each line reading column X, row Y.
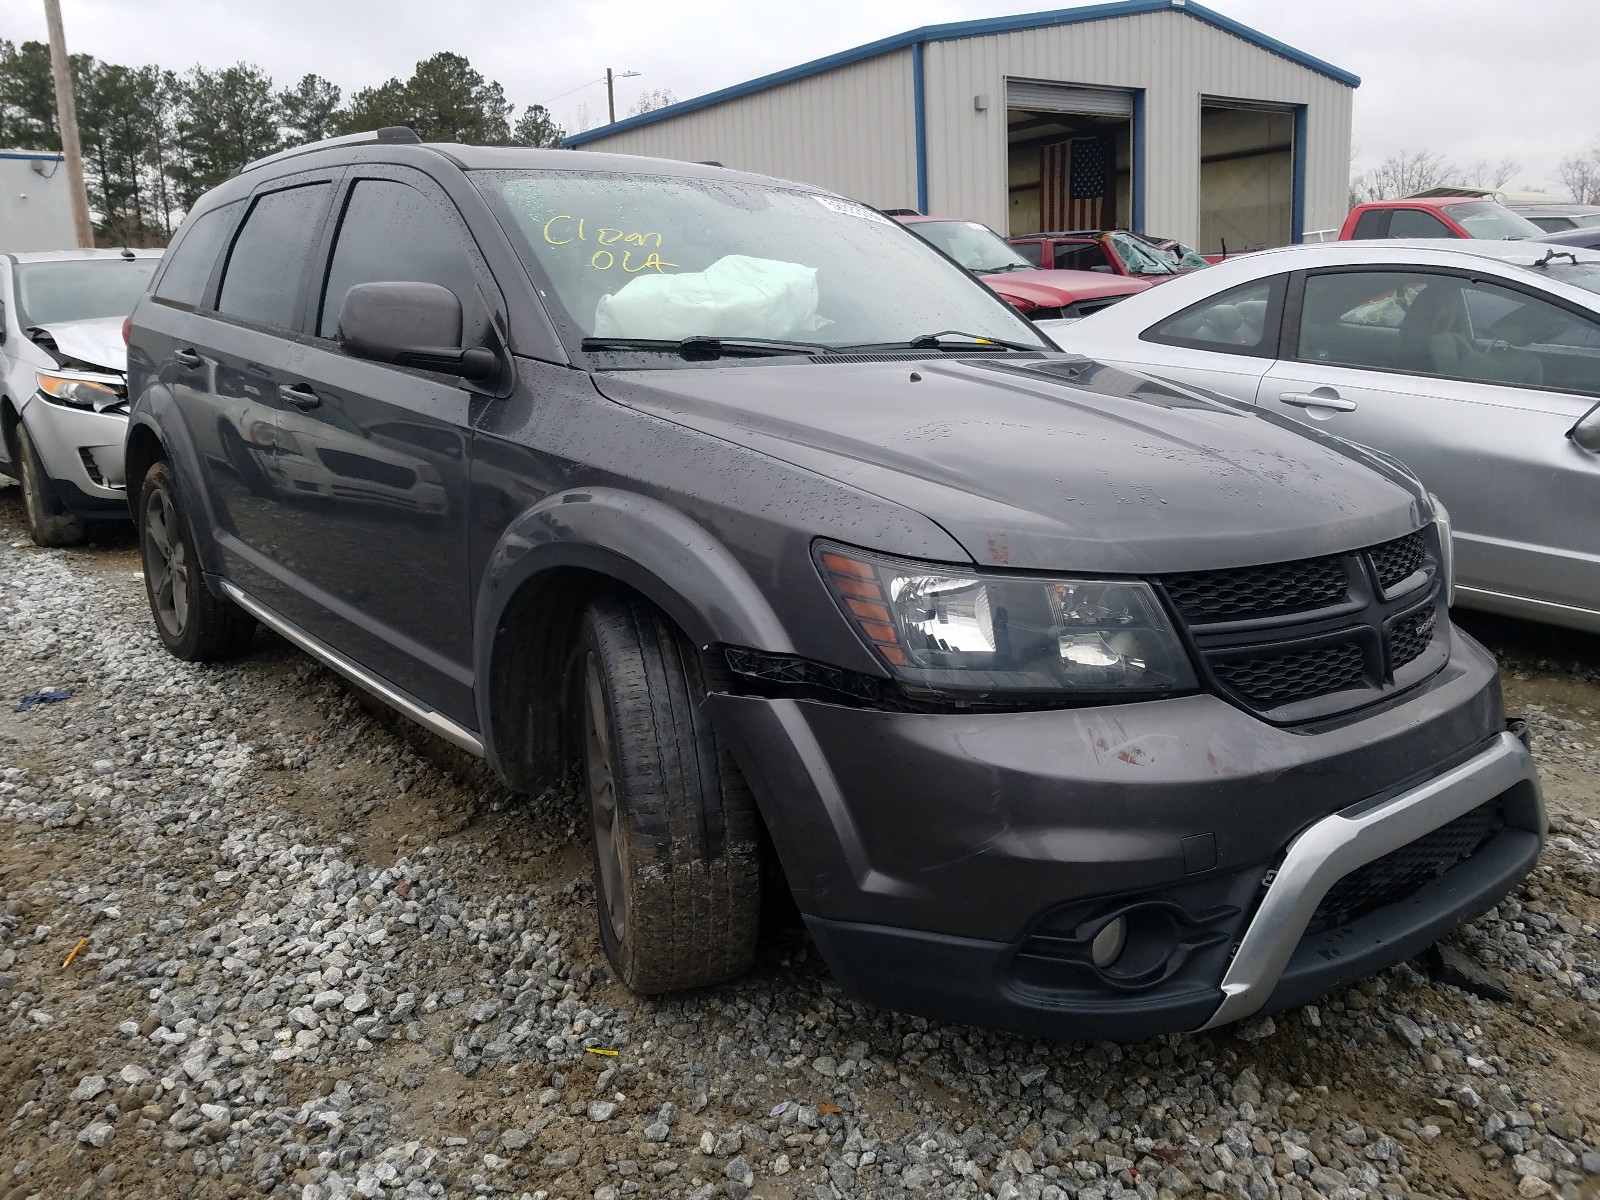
column 1140, row 257
column 1584, row 274
column 634, row 257
column 77, row 290
column 972, row 244
column 1485, row 219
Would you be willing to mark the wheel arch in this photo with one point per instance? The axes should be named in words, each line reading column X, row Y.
column 548, row 565
column 156, row 432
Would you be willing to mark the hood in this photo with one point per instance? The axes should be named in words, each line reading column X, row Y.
column 95, row 343
column 1055, row 289
column 1057, row 465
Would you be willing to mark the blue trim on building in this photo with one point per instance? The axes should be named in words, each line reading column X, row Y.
column 919, row 120
column 1136, row 175
column 34, row 155
column 968, row 29
column 1297, row 209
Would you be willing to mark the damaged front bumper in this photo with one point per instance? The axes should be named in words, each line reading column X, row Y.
column 974, row 867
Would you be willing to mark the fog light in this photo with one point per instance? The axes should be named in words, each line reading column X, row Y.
column 1109, row 942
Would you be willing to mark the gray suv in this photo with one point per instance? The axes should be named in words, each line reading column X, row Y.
column 1059, row 699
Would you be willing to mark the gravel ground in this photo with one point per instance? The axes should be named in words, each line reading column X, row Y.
column 324, row 955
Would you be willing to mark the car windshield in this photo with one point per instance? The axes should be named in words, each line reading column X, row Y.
column 1588, row 219
column 78, row 289
column 1584, row 274
column 1184, row 258
column 665, row 258
column 1140, row 257
column 1486, row 219
column 972, row 244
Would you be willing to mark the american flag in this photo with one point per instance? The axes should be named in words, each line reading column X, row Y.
column 1073, row 179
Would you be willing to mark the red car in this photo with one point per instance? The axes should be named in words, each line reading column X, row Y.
column 1036, row 294
column 1436, row 217
column 1112, row 252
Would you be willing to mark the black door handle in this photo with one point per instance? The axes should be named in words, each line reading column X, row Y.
column 299, row 395
column 188, row 359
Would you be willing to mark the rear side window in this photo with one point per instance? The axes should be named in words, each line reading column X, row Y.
column 189, row 263
column 1032, row 251
column 1414, row 223
column 1370, row 224
column 1243, row 320
column 262, row 280
column 393, row 233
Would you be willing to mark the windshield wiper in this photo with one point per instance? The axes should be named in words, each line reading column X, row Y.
column 703, row 346
column 1016, row 266
column 935, row 341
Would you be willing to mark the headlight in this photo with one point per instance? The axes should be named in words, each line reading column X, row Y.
column 81, row 390
column 939, row 629
column 1447, row 550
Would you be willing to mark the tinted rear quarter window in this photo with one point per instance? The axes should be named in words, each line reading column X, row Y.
column 1032, row 251
column 190, row 261
column 391, row 232
column 267, row 264
column 1243, row 320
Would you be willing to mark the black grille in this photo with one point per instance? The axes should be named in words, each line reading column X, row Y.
column 1410, row 636
column 1272, row 680
column 1259, row 591
column 1401, row 872
column 1397, row 560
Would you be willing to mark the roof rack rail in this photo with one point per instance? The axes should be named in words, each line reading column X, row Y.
column 393, row 134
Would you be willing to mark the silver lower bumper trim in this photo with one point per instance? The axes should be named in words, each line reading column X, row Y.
column 430, row 720
column 1339, row 844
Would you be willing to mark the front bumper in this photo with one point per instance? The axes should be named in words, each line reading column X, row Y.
column 82, row 454
column 950, row 864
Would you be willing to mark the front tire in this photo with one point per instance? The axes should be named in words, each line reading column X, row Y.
column 192, row 623
column 674, row 830
column 49, row 522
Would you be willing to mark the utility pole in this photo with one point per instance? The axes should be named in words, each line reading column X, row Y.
column 611, row 95
column 67, row 119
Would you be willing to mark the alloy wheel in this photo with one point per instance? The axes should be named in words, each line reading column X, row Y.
column 166, row 562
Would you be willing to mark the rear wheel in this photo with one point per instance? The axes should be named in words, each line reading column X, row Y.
column 49, row 522
column 191, row 622
column 673, row 827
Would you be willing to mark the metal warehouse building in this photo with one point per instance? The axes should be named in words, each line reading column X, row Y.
column 1158, row 115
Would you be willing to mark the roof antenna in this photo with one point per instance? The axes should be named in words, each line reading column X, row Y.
column 126, row 253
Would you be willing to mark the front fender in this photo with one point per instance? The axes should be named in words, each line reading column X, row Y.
column 674, row 562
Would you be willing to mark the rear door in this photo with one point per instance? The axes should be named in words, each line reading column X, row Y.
column 1472, row 383
column 379, row 453
column 224, row 337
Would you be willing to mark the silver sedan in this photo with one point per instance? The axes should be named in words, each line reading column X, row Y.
column 1476, row 363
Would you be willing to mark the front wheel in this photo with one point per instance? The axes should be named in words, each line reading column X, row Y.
column 191, row 622
column 673, row 827
column 49, row 522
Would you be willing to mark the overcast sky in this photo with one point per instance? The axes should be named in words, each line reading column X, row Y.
column 1468, row 79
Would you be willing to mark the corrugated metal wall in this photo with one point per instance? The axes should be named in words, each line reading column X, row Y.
column 1176, row 60
column 850, row 129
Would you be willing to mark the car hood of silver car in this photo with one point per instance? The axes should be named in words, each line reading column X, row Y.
column 93, row 343
column 1048, row 464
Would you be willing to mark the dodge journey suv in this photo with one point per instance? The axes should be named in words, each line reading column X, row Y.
column 1060, row 700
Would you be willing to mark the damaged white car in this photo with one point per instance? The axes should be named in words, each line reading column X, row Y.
column 63, row 383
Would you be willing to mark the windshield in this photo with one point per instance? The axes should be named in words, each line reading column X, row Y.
column 1184, row 258
column 1140, row 257
column 972, row 244
column 1485, row 219
column 79, row 289
column 1585, row 274
column 664, row 258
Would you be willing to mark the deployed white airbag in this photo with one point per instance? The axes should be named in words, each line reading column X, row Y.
column 736, row 296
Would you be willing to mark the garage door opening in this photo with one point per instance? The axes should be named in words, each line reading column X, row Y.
column 1246, row 176
column 1070, row 163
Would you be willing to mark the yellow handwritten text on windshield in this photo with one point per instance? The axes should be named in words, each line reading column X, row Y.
column 564, row 229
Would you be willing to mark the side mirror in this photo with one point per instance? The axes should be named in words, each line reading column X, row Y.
column 1586, row 433
column 411, row 325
